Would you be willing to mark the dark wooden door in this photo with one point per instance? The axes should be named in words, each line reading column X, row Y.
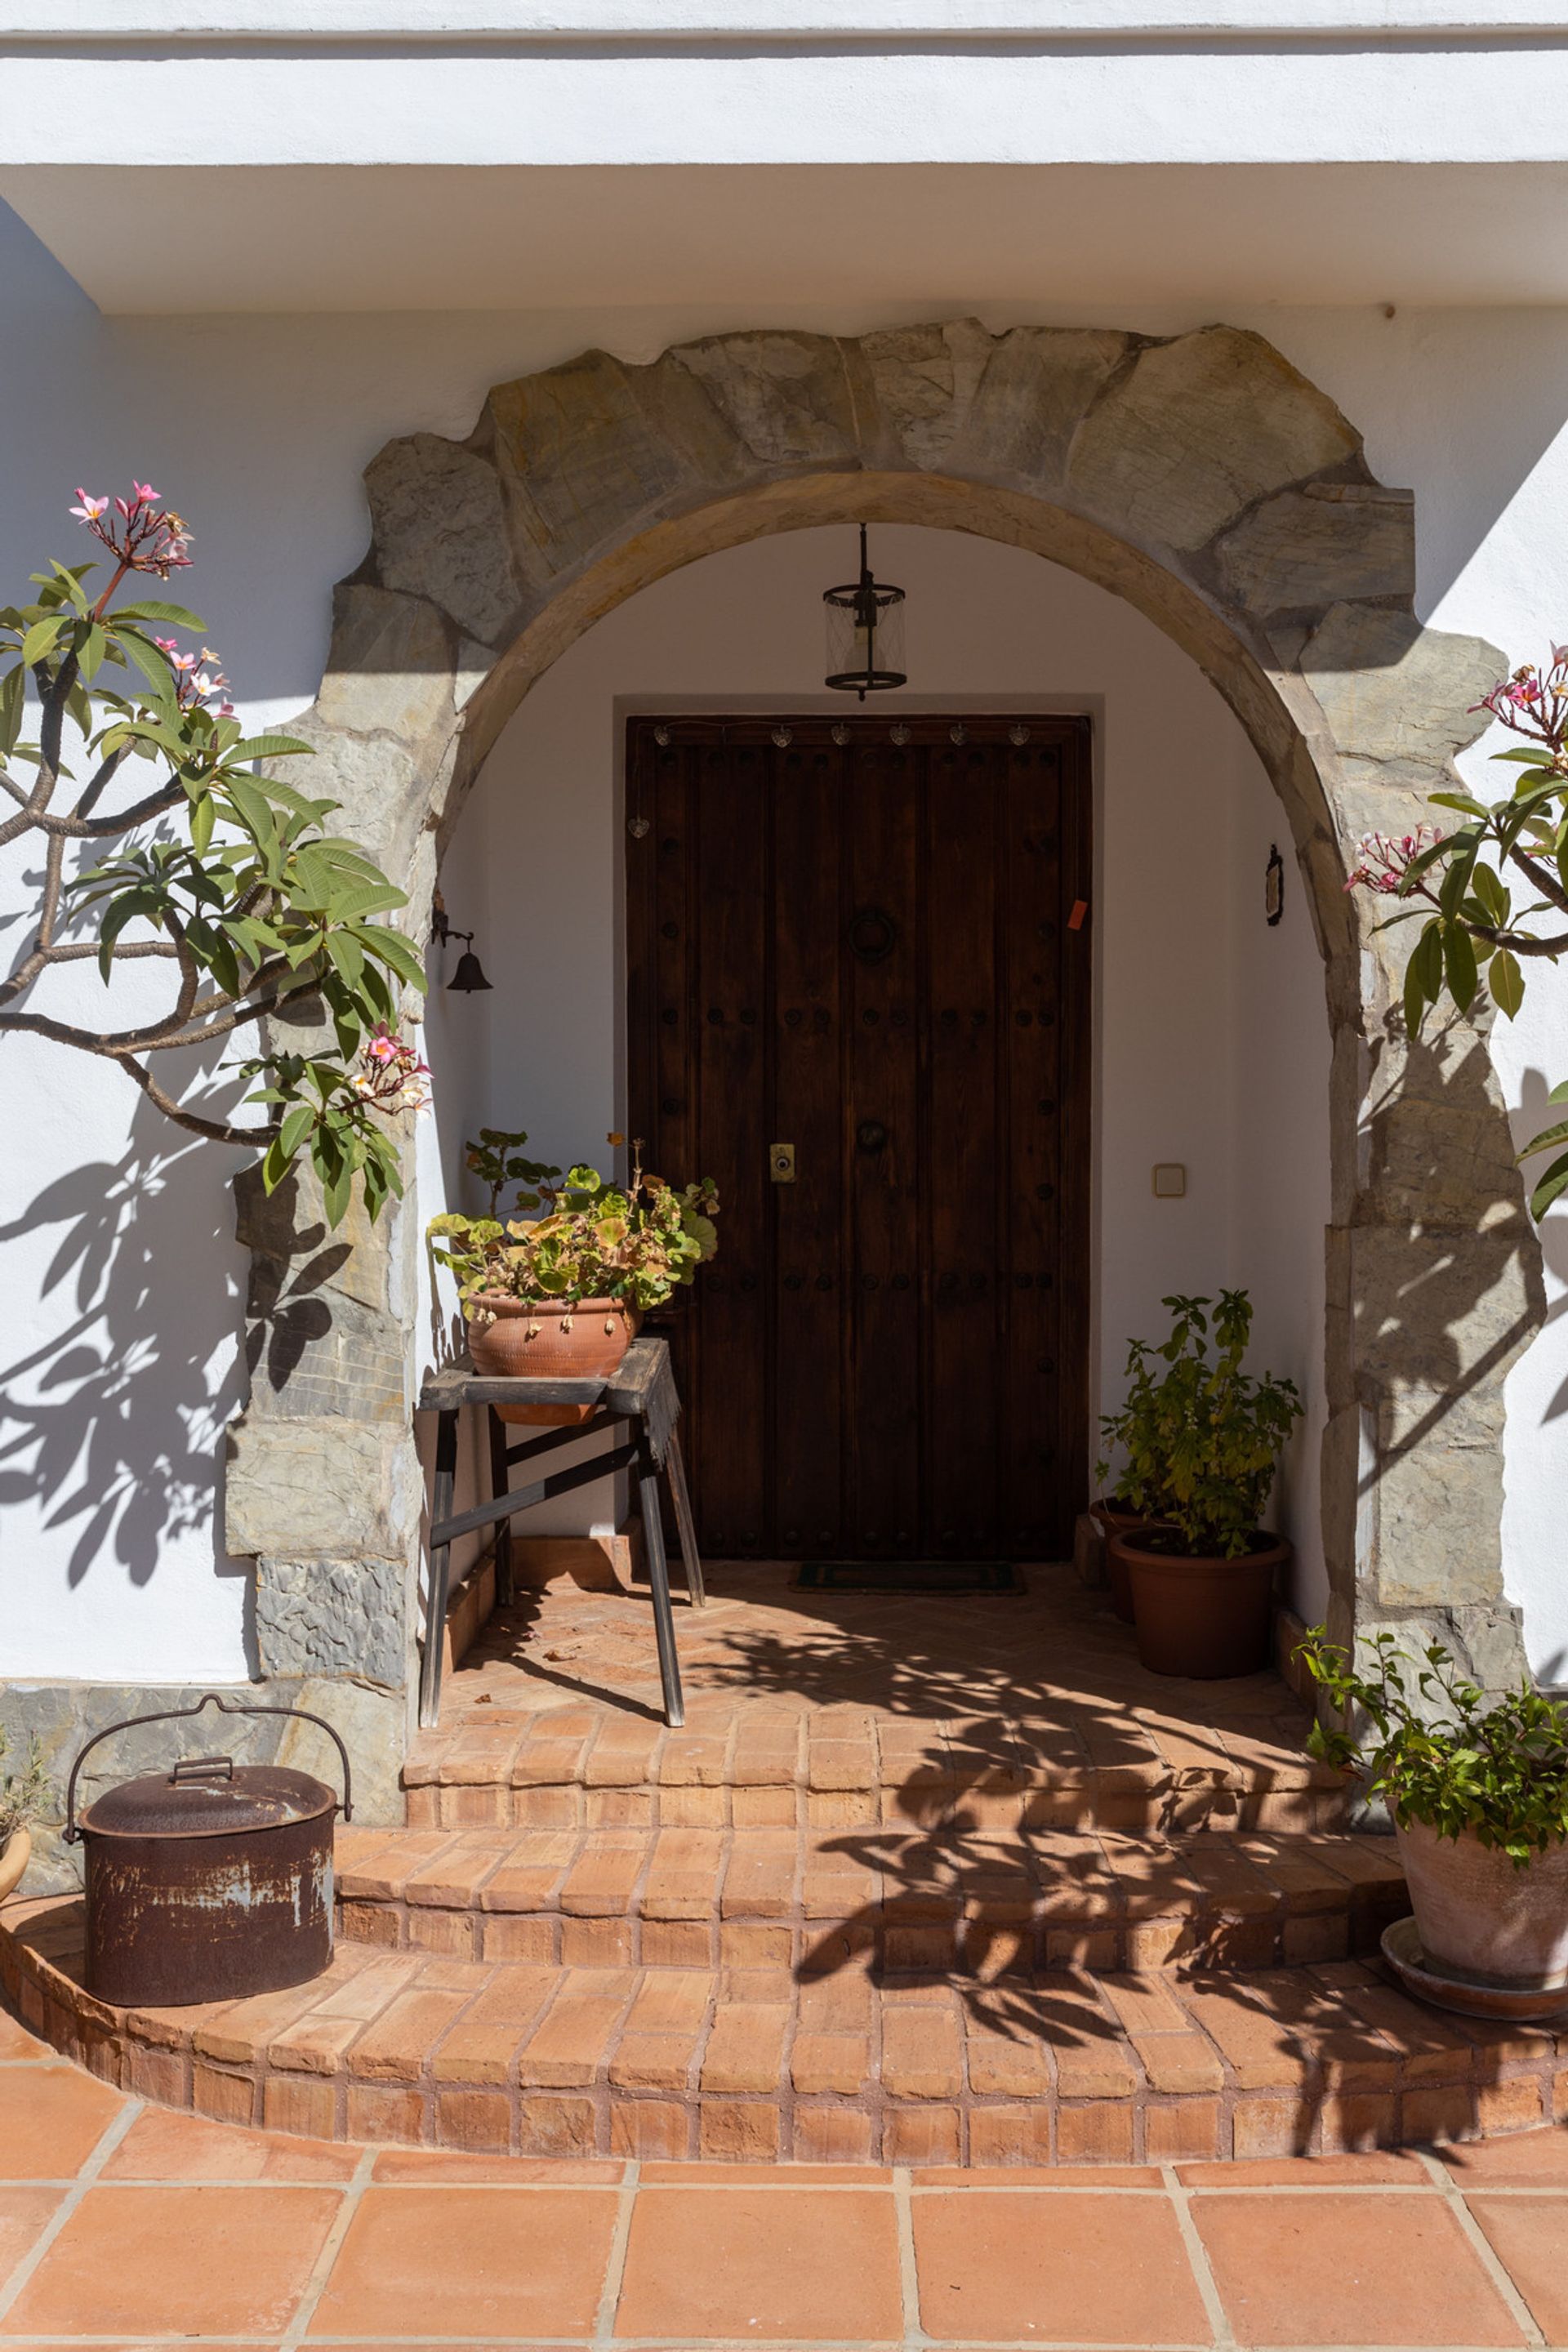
column 873, row 951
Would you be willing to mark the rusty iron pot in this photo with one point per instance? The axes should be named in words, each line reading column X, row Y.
column 209, row 1880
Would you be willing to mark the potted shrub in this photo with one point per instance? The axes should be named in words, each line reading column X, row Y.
column 1211, row 1435
column 23, row 1798
column 560, row 1294
column 1138, row 1497
column 1477, row 1788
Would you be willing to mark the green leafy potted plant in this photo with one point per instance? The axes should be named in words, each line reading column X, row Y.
column 1477, row 1788
column 1206, row 1436
column 559, row 1294
column 1138, row 1497
column 23, row 1798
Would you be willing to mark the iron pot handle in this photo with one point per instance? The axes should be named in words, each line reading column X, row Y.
column 175, row 1715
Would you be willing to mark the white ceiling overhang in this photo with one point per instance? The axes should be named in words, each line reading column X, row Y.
column 413, row 154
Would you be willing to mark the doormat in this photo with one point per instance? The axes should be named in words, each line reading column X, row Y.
column 911, row 1576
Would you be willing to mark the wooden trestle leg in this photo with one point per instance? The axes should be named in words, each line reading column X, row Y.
column 658, row 1580
column 690, row 1559
column 430, row 1665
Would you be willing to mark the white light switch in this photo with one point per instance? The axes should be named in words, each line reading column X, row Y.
column 1170, row 1181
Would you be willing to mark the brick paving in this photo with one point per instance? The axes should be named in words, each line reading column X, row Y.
column 124, row 2224
column 841, row 2065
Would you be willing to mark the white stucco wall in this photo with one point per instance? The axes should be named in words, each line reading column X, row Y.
column 119, row 1275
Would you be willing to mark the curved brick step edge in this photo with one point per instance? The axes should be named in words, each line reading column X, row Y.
column 1072, row 2069
column 776, row 1899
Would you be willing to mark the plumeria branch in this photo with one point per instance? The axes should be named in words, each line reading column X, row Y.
column 220, row 867
column 1456, row 883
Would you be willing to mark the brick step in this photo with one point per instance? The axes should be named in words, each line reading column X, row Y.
column 1059, row 2067
column 810, row 1900
column 598, row 1766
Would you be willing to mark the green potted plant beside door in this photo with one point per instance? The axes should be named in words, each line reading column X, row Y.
column 1207, row 1436
column 1477, row 1785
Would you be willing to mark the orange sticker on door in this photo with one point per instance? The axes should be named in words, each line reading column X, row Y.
column 1079, row 915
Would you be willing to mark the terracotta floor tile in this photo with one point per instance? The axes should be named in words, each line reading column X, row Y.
column 15, row 2041
column 486, row 2264
column 1380, row 2165
column 1525, row 2159
column 160, row 2145
column 759, row 2266
column 766, row 2175
column 51, row 2119
column 1529, row 2237
column 434, row 2164
column 1337, row 2268
column 23, row 2214
column 177, row 2262
column 1038, row 2176
column 1077, row 2270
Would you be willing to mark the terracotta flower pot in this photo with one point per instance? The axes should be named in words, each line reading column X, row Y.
column 1209, row 1620
column 538, row 1339
column 1479, row 1918
column 14, row 1856
column 1116, row 1519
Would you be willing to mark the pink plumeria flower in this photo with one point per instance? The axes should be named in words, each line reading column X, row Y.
column 89, row 509
column 145, row 495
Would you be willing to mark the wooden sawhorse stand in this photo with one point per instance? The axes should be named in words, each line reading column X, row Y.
column 642, row 1391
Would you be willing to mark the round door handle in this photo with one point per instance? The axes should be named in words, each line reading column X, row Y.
column 870, row 1135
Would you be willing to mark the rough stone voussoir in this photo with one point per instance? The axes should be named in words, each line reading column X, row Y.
column 1039, row 385
column 1331, row 543
column 1394, row 692
column 440, row 532
column 785, row 397
column 925, row 380
column 1196, row 430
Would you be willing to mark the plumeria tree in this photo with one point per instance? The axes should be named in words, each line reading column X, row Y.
column 163, row 837
column 1490, row 893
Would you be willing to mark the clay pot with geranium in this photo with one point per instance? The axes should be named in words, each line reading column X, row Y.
column 558, row 1293
column 1477, row 1788
column 1201, row 1440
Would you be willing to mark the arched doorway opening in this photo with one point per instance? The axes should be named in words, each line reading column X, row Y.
column 1206, row 483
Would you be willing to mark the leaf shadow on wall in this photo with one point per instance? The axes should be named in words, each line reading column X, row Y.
column 1450, row 1228
column 114, row 1423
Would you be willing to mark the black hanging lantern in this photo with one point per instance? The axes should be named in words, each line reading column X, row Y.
column 469, row 974
column 864, row 633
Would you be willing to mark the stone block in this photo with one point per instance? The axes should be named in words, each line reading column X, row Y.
column 322, row 1487
column 1393, row 691
column 785, row 396
column 440, row 532
column 1197, row 429
column 925, row 379
column 1037, row 387
column 1329, row 543
column 333, row 1617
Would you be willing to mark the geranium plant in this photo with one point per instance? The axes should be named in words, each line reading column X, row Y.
column 1439, row 1750
column 1201, row 1439
column 211, row 864
column 592, row 1239
column 1461, row 883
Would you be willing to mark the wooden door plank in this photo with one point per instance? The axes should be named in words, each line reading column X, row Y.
column 730, row 1052
column 808, row 1425
column 883, row 1145
column 966, row 1149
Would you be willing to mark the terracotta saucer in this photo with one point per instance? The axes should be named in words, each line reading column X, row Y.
column 1402, row 1950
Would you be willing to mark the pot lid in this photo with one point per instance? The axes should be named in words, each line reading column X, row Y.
column 208, row 1798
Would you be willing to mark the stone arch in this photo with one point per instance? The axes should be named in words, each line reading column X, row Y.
column 1200, row 477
